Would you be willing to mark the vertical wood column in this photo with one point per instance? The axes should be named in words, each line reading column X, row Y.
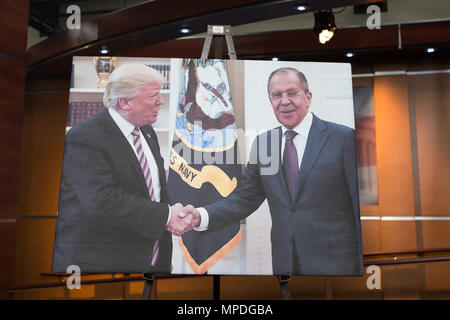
column 13, row 32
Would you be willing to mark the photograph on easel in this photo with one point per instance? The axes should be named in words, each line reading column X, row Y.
column 196, row 166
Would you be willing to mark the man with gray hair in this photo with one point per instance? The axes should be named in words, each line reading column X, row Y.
column 313, row 196
column 113, row 213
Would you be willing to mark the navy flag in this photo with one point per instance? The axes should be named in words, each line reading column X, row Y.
column 204, row 166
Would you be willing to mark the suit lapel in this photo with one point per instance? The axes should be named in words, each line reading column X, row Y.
column 123, row 145
column 316, row 140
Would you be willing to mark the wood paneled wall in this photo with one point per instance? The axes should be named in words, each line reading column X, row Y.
column 394, row 96
column 13, row 32
column 412, row 133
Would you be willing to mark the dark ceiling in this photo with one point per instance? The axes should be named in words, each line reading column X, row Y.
column 48, row 16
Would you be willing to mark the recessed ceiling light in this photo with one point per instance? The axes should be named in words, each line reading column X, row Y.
column 431, row 50
column 275, row 59
column 301, row 7
column 349, row 54
column 185, row 30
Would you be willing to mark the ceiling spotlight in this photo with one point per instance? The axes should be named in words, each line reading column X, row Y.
column 324, row 25
column 349, row 54
column 431, row 50
column 104, row 50
column 301, row 7
column 275, row 59
column 185, row 30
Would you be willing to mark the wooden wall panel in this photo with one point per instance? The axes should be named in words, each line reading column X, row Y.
column 41, row 294
column 35, row 239
column 392, row 129
column 12, row 82
column 431, row 99
column 13, row 30
column 114, row 291
column 249, row 287
column 43, row 147
column 398, row 235
column 354, row 288
column 438, row 278
column 45, row 114
column 401, row 282
column 13, row 35
column 185, row 289
column 371, row 235
column 436, row 234
column 268, row 287
column 7, row 256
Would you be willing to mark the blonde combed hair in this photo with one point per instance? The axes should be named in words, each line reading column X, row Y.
column 127, row 80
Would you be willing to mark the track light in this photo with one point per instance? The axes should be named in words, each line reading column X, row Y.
column 104, row 50
column 324, row 25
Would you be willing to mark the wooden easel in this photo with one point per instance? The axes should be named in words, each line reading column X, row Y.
column 217, row 31
column 213, row 30
column 149, row 286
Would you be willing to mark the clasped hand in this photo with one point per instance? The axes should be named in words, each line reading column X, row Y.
column 183, row 219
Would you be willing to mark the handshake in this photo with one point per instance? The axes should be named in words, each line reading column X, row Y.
column 183, row 219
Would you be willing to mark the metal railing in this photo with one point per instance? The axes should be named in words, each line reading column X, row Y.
column 117, row 278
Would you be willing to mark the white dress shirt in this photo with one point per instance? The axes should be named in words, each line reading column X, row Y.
column 126, row 128
column 299, row 140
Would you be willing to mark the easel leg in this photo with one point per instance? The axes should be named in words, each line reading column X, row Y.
column 216, row 288
column 214, row 30
column 285, row 293
column 150, row 282
column 218, row 48
column 329, row 288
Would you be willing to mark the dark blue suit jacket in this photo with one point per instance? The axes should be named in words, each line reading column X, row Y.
column 322, row 222
column 106, row 220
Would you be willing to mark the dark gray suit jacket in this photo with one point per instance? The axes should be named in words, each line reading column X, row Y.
column 106, row 220
column 322, row 222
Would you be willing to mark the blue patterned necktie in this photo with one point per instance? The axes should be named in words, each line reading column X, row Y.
column 290, row 162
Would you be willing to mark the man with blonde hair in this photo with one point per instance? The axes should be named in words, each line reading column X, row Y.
column 113, row 213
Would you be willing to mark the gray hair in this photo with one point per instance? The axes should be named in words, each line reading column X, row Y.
column 127, row 80
column 285, row 70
